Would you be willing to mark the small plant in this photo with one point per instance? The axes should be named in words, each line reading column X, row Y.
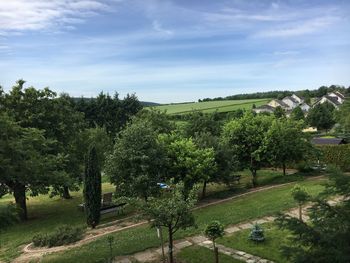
column 110, row 240
column 8, row 216
column 213, row 231
column 301, row 196
column 257, row 234
column 63, row 235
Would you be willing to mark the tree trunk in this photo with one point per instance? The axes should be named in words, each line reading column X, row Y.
column 300, row 212
column 284, row 169
column 216, row 253
column 19, row 191
column 170, row 250
column 66, row 194
column 204, row 190
column 254, row 178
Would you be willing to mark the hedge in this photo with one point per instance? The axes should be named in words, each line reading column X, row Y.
column 338, row 155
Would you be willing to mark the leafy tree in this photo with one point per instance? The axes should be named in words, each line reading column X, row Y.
column 343, row 117
column 136, row 164
column 245, row 138
column 187, row 163
column 159, row 120
column 279, row 112
column 172, row 211
column 301, row 196
column 26, row 163
column 198, row 122
column 213, row 231
column 285, row 143
column 326, row 237
column 321, row 116
column 297, row 114
column 92, row 188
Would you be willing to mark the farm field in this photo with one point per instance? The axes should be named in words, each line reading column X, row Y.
column 211, row 106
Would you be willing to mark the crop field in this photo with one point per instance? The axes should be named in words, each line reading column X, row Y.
column 211, row 106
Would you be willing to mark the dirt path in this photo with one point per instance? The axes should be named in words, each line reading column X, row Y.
column 31, row 253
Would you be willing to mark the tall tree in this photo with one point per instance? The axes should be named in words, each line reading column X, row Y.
column 173, row 212
column 92, row 188
column 297, row 114
column 279, row 112
column 343, row 117
column 321, row 116
column 245, row 138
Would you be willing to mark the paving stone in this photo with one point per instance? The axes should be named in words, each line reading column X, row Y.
column 183, row 244
column 123, row 260
column 261, row 221
column 245, row 226
column 207, row 242
column 241, row 253
column 146, row 256
column 198, row 239
column 159, row 250
column 251, row 261
column 232, row 229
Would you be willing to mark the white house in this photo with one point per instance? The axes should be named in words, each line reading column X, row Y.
column 278, row 103
column 336, row 94
column 305, row 107
column 264, row 108
column 291, row 102
column 297, row 98
column 332, row 100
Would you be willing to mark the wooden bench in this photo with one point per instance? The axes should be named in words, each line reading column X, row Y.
column 107, row 205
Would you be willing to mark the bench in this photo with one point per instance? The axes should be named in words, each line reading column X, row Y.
column 107, row 205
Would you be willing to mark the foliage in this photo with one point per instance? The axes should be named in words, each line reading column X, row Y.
column 338, row 155
column 326, row 237
column 92, row 188
column 8, row 216
column 343, row 117
column 173, row 212
column 62, row 235
column 321, row 116
column 199, row 122
column 297, row 114
column 279, row 112
column 300, row 194
column 136, row 164
column 257, row 233
column 214, row 230
column 159, row 120
column 245, row 138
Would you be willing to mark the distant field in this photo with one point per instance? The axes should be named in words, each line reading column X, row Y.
column 211, row 106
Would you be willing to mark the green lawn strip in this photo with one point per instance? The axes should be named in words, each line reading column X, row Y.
column 269, row 249
column 197, row 254
column 251, row 206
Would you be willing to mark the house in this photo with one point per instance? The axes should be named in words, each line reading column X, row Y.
column 291, row 102
column 327, row 141
column 332, row 100
column 339, row 96
column 298, row 99
column 278, row 103
column 305, row 107
column 264, row 108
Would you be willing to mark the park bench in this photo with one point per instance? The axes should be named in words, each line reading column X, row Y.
column 107, row 205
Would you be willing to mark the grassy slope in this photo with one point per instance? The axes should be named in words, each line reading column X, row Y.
column 245, row 208
column 269, row 249
column 211, row 106
column 197, row 254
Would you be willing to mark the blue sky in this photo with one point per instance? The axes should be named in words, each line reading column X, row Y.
column 174, row 50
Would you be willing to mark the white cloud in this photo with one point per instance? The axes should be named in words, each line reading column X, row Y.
column 157, row 26
column 21, row 15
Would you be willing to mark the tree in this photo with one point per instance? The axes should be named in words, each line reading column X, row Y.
column 297, row 114
column 321, row 116
column 213, row 231
column 136, row 164
column 285, row 143
column 159, row 120
column 173, row 212
column 257, row 233
column 26, row 162
column 279, row 112
column 301, row 196
column 343, row 117
column 92, row 188
column 245, row 138
column 325, row 238
column 198, row 122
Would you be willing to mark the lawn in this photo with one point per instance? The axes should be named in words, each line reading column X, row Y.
column 245, row 208
column 211, row 106
column 269, row 249
column 197, row 254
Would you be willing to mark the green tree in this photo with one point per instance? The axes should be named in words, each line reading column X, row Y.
column 279, row 112
column 321, row 116
column 325, row 238
column 343, row 117
column 92, row 188
column 301, row 196
column 297, row 114
column 285, row 143
column 213, row 231
column 245, row 138
column 159, row 120
column 199, row 122
column 173, row 211
column 136, row 164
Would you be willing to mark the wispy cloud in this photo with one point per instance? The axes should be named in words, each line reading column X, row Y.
column 157, row 26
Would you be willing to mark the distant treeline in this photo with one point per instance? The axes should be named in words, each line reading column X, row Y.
column 143, row 103
column 307, row 94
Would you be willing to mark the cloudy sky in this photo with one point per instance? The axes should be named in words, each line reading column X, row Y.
column 174, row 50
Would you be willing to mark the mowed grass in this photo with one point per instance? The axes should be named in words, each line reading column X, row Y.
column 211, row 106
column 197, row 254
column 275, row 239
column 248, row 207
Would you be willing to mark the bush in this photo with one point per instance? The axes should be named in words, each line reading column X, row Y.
column 8, row 216
column 338, row 155
column 63, row 235
column 257, row 234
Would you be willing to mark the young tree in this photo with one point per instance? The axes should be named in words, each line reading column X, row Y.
column 343, row 117
column 325, row 238
column 285, row 143
column 136, row 164
column 321, row 116
column 279, row 112
column 301, row 196
column 92, row 188
column 245, row 138
column 173, row 212
column 213, row 231
column 297, row 114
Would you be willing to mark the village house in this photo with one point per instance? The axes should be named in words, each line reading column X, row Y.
column 334, row 98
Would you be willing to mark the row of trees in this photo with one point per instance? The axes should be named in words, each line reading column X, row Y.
column 44, row 138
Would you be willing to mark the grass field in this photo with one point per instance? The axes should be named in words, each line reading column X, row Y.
column 248, row 207
column 211, row 106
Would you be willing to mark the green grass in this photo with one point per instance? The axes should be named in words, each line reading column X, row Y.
column 249, row 207
column 269, row 249
column 211, row 106
column 197, row 254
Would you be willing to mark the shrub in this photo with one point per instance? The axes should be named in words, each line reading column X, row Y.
column 63, row 235
column 338, row 155
column 257, row 234
column 8, row 216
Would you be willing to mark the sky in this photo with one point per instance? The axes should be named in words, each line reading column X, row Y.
column 174, row 50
